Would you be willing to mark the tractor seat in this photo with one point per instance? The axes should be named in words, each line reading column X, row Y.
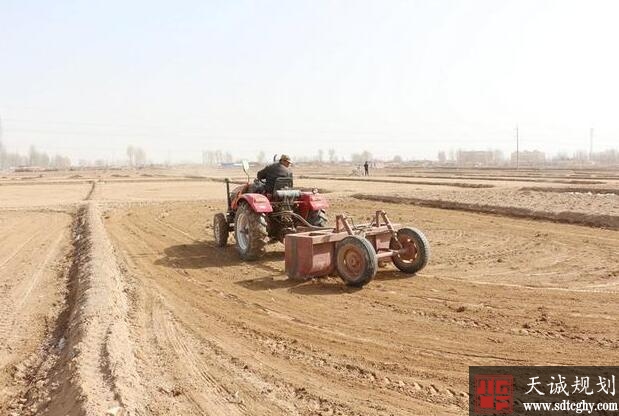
column 282, row 183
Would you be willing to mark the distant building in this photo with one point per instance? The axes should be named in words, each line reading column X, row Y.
column 608, row 157
column 529, row 158
column 475, row 157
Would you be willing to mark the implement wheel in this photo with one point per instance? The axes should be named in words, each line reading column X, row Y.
column 356, row 260
column 221, row 229
column 417, row 250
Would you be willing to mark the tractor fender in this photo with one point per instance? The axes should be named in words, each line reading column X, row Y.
column 257, row 202
column 316, row 202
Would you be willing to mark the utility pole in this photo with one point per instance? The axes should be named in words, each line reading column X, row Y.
column 590, row 144
column 517, row 148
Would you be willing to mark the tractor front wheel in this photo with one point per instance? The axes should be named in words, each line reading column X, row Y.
column 221, row 229
column 356, row 260
column 250, row 231
column 416, row 250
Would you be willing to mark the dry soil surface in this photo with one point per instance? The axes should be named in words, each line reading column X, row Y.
column 33, row 269
column 218, row 336
column 123, row 304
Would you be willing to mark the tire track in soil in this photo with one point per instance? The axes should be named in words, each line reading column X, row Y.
column 12, row 308
column 266, row 395
column 321, row 362
column 231, row 320
column 28, row 300
column 17, row 250
column 10, row 235
column 22, row 293
column 600, row 289
column 289, row 348
column 211, row 397
column 155, row 233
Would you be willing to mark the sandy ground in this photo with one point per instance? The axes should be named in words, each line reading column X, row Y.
column 606, row 202
column 243, row 339
column 35, row 195
column 159, row 191
column 32, row 290
column 118, row 302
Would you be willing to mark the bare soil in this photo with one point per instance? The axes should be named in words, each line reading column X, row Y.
column 33, row 267
column 116, row 301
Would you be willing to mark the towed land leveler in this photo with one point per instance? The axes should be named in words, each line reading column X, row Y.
column 355, row 251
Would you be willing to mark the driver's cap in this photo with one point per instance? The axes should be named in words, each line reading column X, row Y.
column 285, row 158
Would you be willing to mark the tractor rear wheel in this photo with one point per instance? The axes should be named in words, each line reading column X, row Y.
column 417, row 250
column 250, row 231
column 221, row 229
column 318, row 218
column 356, row 260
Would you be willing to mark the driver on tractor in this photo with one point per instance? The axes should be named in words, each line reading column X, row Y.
column 275, row 170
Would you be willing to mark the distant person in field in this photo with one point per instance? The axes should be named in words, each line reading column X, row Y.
column 275, row 170
column 366, row 166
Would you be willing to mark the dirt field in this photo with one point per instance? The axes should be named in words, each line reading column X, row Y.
column 33, row 283
column 117, row 301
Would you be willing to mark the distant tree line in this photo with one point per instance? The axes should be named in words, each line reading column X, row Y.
column 321, row 156
column 216, row 157
column 361, row 157
column 34, row 158
column 331, row 157
column 137, row 156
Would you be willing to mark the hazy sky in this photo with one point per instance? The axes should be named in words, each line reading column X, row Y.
column 87, row 78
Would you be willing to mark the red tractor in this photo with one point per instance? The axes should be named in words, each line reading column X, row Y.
column 257, row 217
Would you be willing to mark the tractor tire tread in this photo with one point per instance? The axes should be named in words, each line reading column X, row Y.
column 221, row 229
column 257, row 233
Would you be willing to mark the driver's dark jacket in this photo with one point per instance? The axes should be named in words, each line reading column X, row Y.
column 272, row 172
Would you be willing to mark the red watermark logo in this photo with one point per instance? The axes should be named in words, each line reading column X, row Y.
column 494, row 394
